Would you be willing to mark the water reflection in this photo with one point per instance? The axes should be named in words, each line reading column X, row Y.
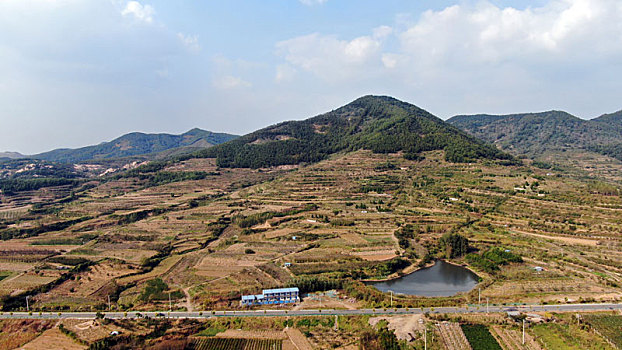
column 442, row 279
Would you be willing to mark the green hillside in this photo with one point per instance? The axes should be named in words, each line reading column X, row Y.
column 534, row 134
column 137, row 143
column 377, row 123
column 612, row 119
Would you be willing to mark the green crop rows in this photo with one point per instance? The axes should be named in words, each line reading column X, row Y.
column 235, row 344
column 479, row 337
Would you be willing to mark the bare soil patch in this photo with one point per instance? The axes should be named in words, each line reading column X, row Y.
column 53, row 339
column 405, row 327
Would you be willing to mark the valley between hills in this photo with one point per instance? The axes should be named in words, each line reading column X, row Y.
column 372, row 191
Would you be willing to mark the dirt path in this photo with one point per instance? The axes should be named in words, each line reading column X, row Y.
column 188, row 302
column 298, row 339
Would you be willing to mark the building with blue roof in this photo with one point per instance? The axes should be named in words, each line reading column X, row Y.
column 273, row 296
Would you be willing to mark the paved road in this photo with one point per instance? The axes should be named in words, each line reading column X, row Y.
column 330, row 312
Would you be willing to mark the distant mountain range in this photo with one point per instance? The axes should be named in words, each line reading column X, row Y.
column 11, row 155
column 133, row 144
column 535, row 134
column 378, row 123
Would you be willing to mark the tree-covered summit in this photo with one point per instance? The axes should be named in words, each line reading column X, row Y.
column 378, row 123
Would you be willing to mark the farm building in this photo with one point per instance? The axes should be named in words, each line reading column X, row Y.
column 273, row 296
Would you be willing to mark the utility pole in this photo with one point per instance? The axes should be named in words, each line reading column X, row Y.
column 391, row 298
column 479, row 295
column 170, row 306
column 27, row 306
column 109, row 306
column 523, row 331
column 487, row 305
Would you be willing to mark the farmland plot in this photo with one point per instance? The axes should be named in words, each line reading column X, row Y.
column 608, row 326
column 561, row 336
column 236, row 344
column 452, row 335
column 479, row 337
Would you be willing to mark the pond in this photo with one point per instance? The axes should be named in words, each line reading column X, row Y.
column 440, row 280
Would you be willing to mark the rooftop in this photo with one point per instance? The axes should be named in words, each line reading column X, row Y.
column 281, row 290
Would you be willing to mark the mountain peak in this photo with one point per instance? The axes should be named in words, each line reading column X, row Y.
column 381, row 124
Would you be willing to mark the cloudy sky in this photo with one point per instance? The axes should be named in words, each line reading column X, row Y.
column 79, row 72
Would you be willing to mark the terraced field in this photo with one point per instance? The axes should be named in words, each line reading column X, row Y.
column 336, row 219
column 236, row 344
column 452, row 335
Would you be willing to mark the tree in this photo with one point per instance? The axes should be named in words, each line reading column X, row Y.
column 153, row 290
column 453, row 245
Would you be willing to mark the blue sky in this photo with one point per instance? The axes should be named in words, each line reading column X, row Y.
column 79, row 72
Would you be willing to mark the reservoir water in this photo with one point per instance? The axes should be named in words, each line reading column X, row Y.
column 440, row 280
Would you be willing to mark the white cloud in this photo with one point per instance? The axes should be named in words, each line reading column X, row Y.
column 139, row 12
column 190, row 41
column 382, row 32
column 230, row 82
column 328, row 57
column 312, row 2
column 390, row 60
column 483, row 34
column 284, row 73
column 480, row 55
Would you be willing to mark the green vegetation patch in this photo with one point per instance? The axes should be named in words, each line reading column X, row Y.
column 491, row 259
column 211, row 331
column 65, row 241
column 260, row 218
column 608, row 326
column 155, row 290
column 4, row 274
column 9, row 186
column 453, row 245
column 68, row 260
column 562, row 336
column 479, row 337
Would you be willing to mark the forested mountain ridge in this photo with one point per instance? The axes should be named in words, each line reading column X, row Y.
column 136, row 143
column 533, row 134
column 377, row 123
column 11, row 155
column 612, row 119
